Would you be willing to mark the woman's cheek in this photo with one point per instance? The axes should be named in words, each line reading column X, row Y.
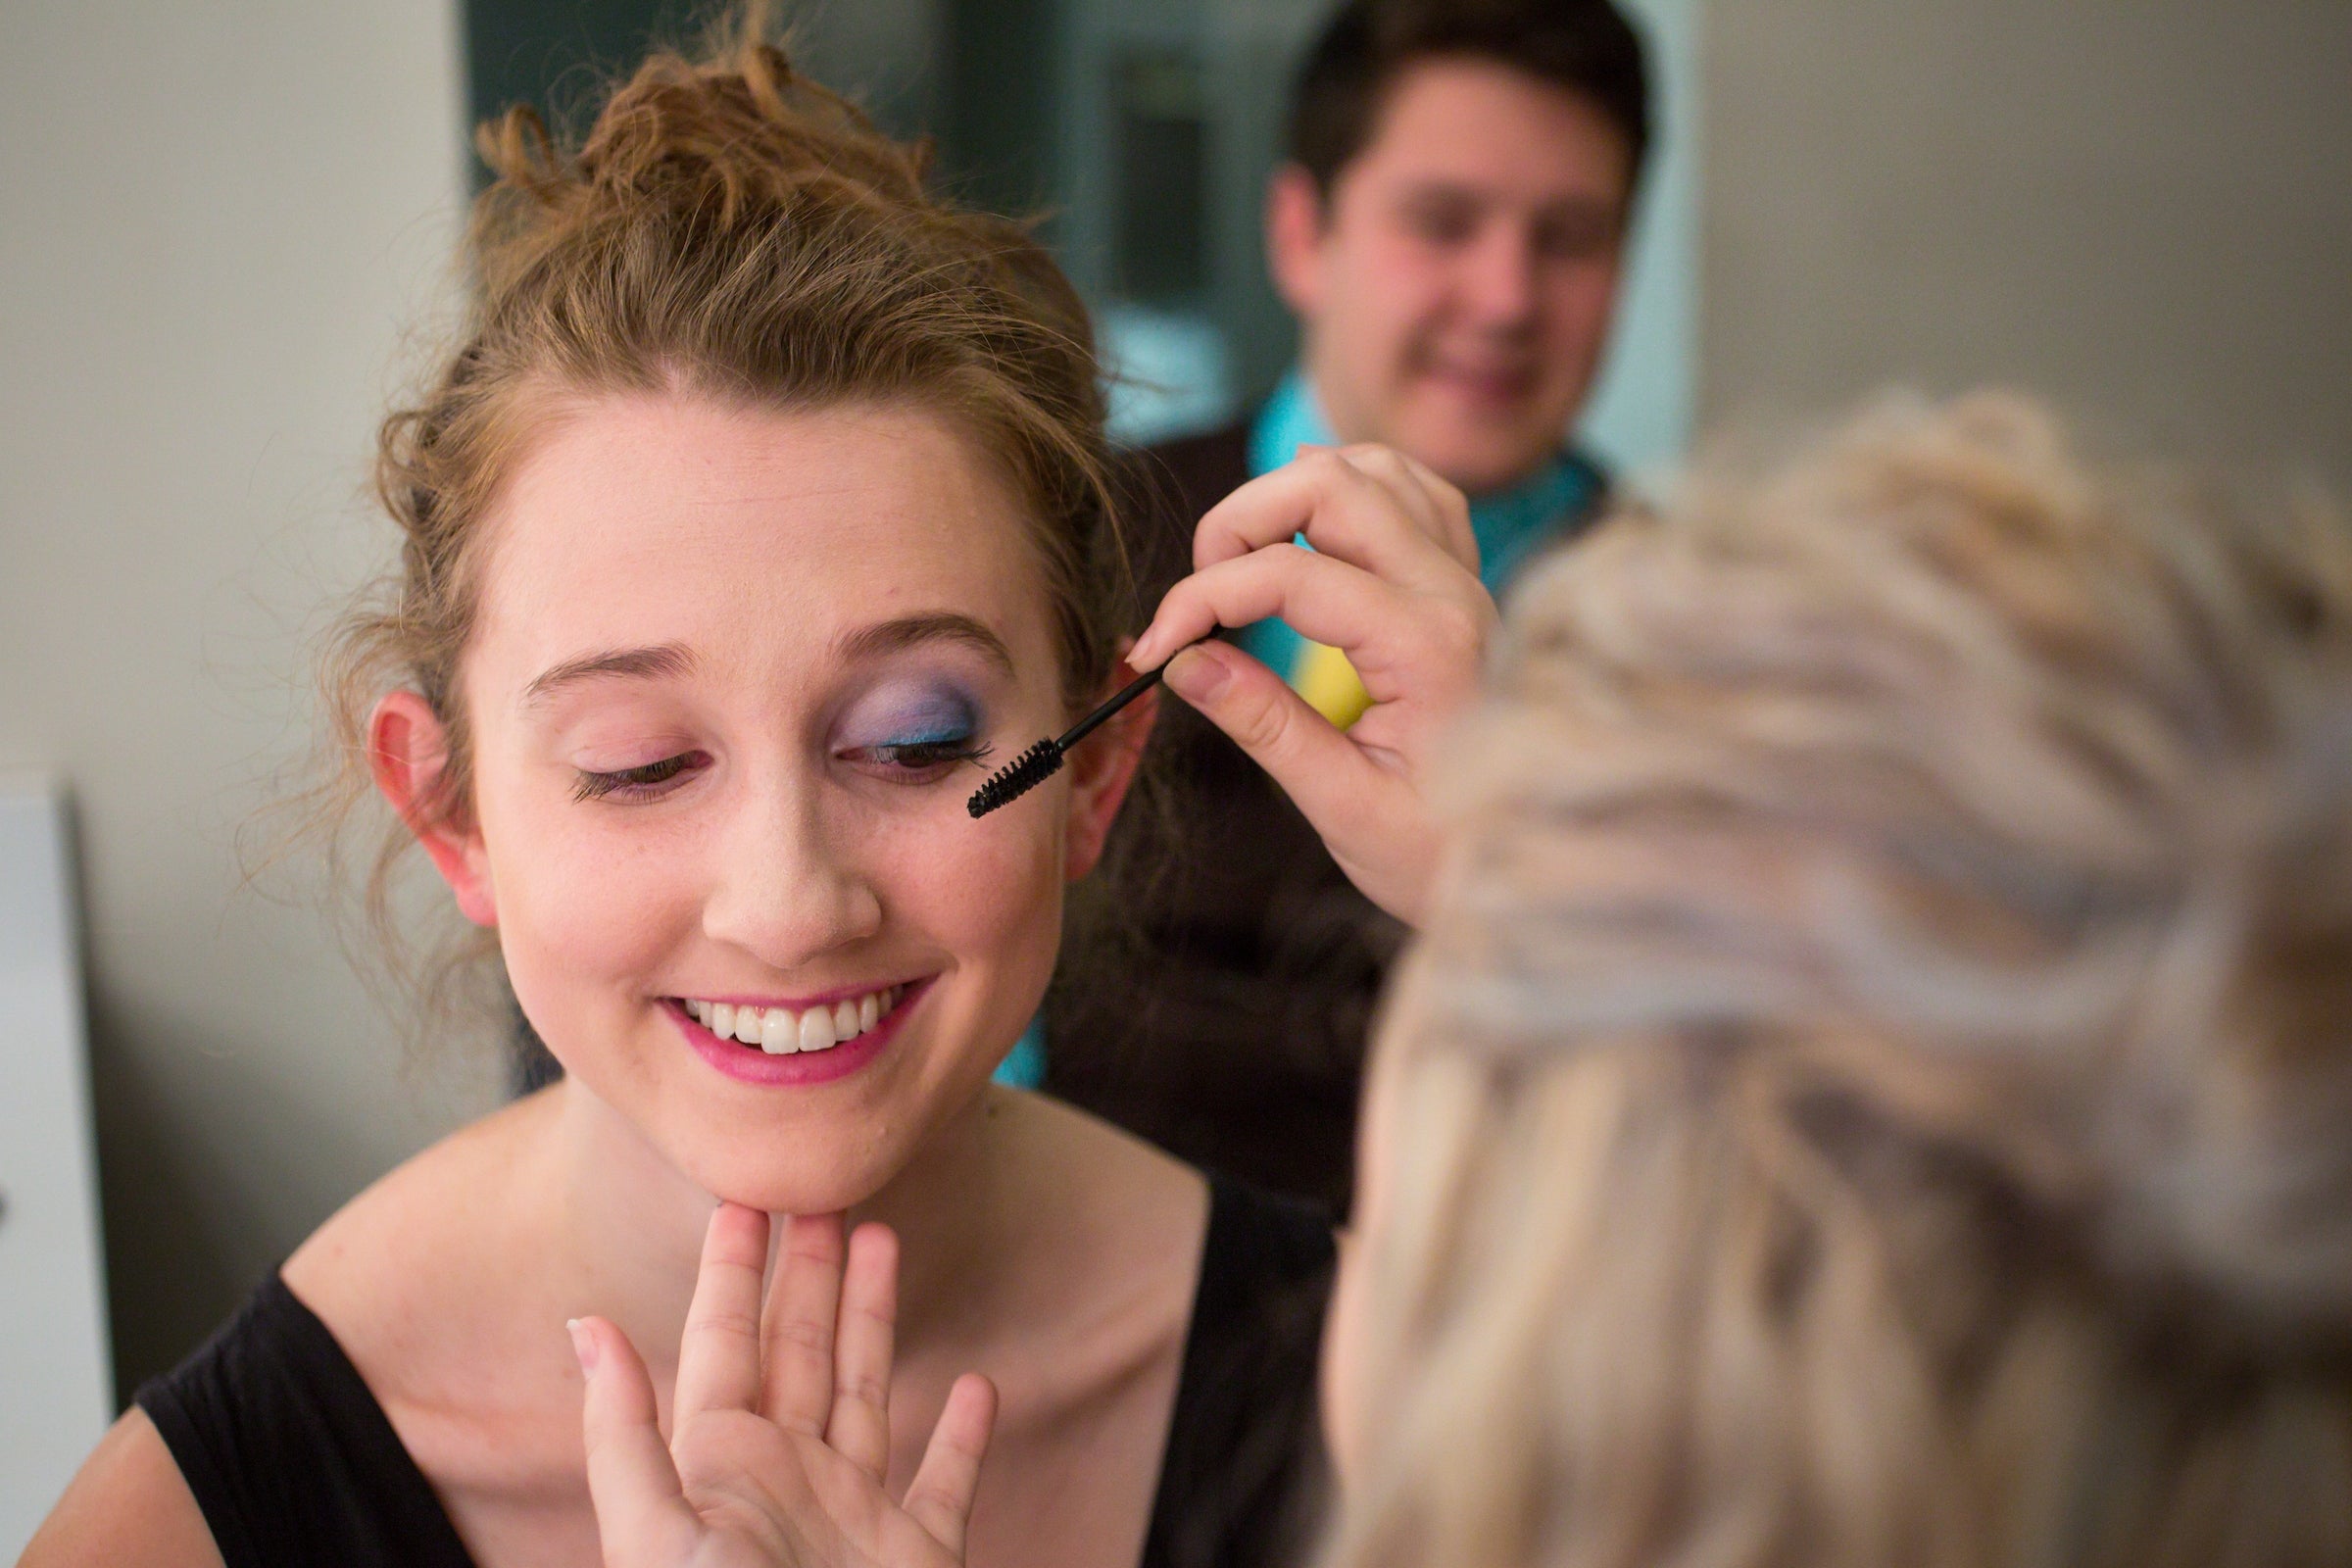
column 1005, row 896
column 584, row 915
column 988, row 890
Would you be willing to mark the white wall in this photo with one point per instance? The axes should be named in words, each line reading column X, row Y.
column 215, row 224
column 1640, row 418
column 2142, row 210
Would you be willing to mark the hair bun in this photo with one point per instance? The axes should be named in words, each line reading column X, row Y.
column 720, row 138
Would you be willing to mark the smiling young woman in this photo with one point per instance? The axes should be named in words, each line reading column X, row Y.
column 761, row 503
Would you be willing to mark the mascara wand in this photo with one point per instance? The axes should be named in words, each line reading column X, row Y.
column 1043, row 761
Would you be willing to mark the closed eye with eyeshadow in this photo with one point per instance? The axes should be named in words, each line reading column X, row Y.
column 903, row 731
column 915, row 730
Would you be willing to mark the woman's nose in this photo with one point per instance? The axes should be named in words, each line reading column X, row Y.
column 785, row 887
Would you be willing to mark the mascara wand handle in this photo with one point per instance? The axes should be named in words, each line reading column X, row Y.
column 1127, row 693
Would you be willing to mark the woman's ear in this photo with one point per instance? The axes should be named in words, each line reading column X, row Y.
column 408, row 748
column 1100, row 772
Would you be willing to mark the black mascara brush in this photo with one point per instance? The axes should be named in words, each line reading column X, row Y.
column 1043, row 761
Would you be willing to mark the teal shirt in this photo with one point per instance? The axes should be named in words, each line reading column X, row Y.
column 1024, row 1068
column 1512, row 525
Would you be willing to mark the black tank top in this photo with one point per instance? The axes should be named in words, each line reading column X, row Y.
column 294, row 1463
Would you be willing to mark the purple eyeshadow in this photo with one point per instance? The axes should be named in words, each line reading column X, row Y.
column 912, row 714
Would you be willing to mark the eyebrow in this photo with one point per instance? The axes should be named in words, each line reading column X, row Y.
column 1446, row 188
column 912, row 631
column 665, row 659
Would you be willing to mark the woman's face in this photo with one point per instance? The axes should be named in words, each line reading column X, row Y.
column 734, row 676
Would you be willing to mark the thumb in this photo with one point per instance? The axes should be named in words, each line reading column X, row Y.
column 1317, row 764
column 641, row 1511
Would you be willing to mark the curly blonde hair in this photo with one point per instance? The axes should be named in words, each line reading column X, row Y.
column 1879, row 1087
column 727, row 229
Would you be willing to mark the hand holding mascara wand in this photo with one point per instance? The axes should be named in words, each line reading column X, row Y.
column 1391, row 582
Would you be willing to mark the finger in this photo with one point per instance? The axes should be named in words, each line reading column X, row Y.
column 641, row 1510
column 1342, row 510
column 1383, row 630
column 941, row 1498
column 1439, row 506
column 1298, row 747
column 800, row 1308
column 1340, row 506
column 1368, row 815
column 719, row 1359
column 859, row 1429
column 1385, row 468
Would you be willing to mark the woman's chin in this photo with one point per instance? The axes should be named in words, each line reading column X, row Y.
column 808, row 1182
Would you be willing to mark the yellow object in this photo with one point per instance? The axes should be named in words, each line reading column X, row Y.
column 1329, row 684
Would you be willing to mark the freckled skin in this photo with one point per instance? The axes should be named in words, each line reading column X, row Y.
column 777, row 867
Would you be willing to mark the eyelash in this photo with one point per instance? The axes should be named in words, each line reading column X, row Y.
column 918, row 756
column 633, row 783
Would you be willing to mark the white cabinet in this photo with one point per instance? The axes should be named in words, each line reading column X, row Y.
column 56, row 1385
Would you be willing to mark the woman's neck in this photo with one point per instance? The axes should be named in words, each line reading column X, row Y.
column 631, row 1223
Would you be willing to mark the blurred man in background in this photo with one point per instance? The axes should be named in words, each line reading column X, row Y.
column 1449, row 227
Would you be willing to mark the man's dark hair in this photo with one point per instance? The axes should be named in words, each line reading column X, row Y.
column 1584, row 46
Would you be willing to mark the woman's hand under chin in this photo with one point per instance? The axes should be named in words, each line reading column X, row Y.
column 1393, row 583
column 781, row 1417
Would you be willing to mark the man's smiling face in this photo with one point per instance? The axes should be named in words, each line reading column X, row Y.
column 1456, row 282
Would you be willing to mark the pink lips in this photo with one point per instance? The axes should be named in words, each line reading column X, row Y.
column 750, row 1064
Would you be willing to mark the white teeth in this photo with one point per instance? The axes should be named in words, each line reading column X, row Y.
column 779, row 1032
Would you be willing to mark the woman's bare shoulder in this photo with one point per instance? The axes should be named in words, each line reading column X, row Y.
column 128, row 1505
column 412, row 1244
column 426, row 1239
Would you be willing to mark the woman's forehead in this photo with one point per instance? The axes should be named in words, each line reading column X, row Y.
column 659, row 518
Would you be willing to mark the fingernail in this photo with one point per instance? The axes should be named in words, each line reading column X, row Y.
column 583, row 1343
column 1196, row 676
column 1140, row 656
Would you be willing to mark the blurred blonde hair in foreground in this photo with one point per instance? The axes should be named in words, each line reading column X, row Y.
column 1879, row 1087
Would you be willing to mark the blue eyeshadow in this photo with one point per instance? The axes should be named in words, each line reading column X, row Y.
column 915, row 713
